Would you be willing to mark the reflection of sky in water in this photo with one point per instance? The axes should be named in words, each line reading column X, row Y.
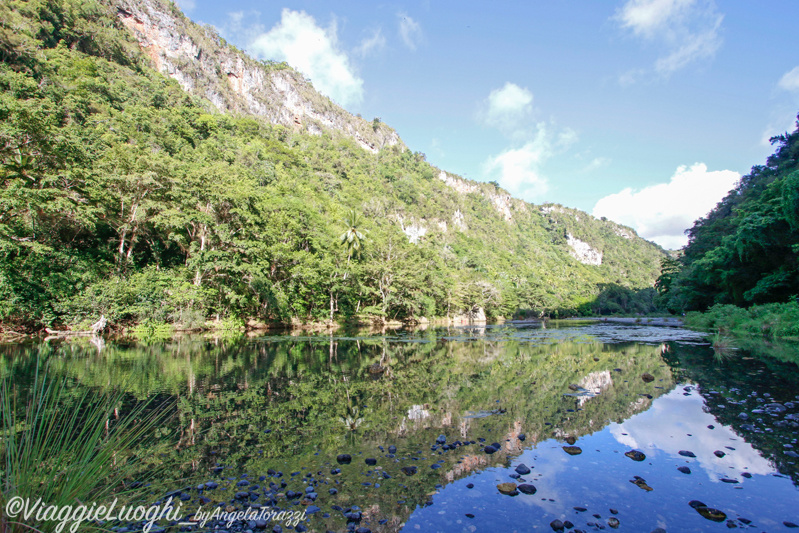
column 666, row 426
column 598, row 479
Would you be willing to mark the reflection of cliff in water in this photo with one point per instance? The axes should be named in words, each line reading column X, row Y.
column 752, row 393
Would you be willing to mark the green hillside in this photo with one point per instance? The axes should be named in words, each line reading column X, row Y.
column 125, row 195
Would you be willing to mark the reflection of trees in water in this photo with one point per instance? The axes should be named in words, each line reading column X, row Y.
column 322, row 394
column 726, row 385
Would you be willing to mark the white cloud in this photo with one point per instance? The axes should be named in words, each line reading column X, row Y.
column 685, row 30
column 315, row 52
column 410, row 31
column 650, row 17
column 790, row 81
column 508, row 109
column 372, row 44
column 663, row 212
column 519, row 169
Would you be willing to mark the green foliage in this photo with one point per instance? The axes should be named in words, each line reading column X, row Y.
column 778, row 320
column 65, row 446
column 122, row 195
column 746, row 251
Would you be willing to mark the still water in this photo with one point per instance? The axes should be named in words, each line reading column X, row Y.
column 598, row 426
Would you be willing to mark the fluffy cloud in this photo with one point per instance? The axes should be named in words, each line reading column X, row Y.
column 315, row 52
column 790, row 81
column 508, row 109
column 519, row 169
column 686, row 30
column 410, row 31
column 663, row 212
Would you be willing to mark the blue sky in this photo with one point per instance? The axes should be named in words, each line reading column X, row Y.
column 644, row 111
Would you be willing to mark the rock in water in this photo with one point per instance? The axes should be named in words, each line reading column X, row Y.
column 571, row 439
column 635, row 455
column 647, row 377
column 522, row 470
column 684, row 469
column 613, row 522
column 344, row 459
column 640, row 483
column 441, row 439
column 719, row 454
column 573, row 450
column 526, row 488
column 371, row 461
column 489, row 450
column 686, row 453
column 556, row 525
column 507, row 488
column 711, row 514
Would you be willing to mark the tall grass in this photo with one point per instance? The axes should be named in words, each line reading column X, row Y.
column 68, row 446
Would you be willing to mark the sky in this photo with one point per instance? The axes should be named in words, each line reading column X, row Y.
column 646, row 112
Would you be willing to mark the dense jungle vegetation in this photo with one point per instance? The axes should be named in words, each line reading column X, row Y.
column 123, row 195
column 745, row 252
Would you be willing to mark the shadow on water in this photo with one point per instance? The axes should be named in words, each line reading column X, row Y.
column 279, row 409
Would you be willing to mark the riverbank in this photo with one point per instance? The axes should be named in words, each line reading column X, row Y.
column 775, row 321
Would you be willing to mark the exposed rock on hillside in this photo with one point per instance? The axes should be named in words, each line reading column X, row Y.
column 583, row 252
column 205, row 65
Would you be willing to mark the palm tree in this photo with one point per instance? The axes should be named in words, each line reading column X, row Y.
column 352, row 238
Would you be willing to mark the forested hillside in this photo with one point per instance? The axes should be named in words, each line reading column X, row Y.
column 746, row 251
column 125, row 195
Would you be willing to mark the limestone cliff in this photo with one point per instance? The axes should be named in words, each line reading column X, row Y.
column 206, row 66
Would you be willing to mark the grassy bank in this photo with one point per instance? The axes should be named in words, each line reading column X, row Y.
column 776, row 320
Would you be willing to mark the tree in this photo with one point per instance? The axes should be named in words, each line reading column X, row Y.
column 352, row 238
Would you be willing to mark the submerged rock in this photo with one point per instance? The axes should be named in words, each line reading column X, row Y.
column 640, row 482
column 635, row 455
column 647, row 377
column 613, row 522
column 507, row 488
column 686, row 453
column 573, row 450
column 409, row 470
column 344, row 459
column 522, row 470
column 684, row 469
column 527, row 488
column 556, row 525
column 489, row 449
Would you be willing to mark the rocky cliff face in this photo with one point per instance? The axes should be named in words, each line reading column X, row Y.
column 204, row 65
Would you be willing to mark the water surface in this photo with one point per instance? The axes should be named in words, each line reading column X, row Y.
column 279, row 409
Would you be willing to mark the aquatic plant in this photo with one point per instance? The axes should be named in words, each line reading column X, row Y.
column 69, row 446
